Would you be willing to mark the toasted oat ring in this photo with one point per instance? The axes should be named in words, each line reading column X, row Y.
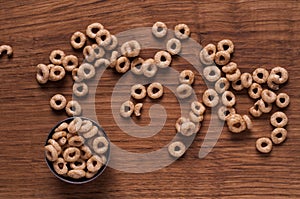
column 188, row 128
column 51, row 153
column 122, row 65
column 255, row 111
column 56, row 57
column 89, row 54
column 230, row 68
column 264, row 145
column 61, row 127
column 278, row 135
column 59, row 134
column 85, row 126
column 282, row 100
column 58, row 102
column 131, row 48
column 71, row 154
column 149, row 68
column 207, row 54
column 103, row 37
column 280, row 75
column 228, row 99
column 113, row 58
column 234, row 76
column 173, row 46
column 76, row 173
column 162, row 59
column 113, row 44
column 248, row 121
column 138, row 91
column 136, row 66
column 94, row 163
column 6, row 49
column 155, row 90
column 225, row 45
column 91, row 133
column 222, row 85
column 212, row 73
column 254, row 91
column 78, row 40
column 62, row 141
column 56, row 145
column 222, row 58
column 100, row 145
column 101, row 63
column 184, row 91
column 42, row 75
column 237, row 85
column 86, row 71
column 260, row 75
column 224, row 112
column 80, row 89
column 78, row 164
column 279, row 119
column 137, row 109
column 76, row 141
column 236, row 123
column 159, row 29
column 70, row 62
column 246, row 80
column 198, row 108
column 73, row 108
column 268, row 96
column 57, row 73
column 179, row 122
column 176, row 149
column 195, row 118
column 182, row 31
column 126, row 109
column 271, row 84
column 210, row 98
column 75, row 76
column 186, row 77
column 85, row 152
column 75, row 125
column 264, row 106
column 60, row 166
column 93, row 29
column 99, row 52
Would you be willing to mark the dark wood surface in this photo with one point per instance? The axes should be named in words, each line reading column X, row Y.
column 265, row 33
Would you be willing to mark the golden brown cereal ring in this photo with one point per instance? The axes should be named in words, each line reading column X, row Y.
column 264, row 106
column 230, row 68
column 103, row 37
column 131, row 48
column 159, row 29
column 173, row 46
column 91, row 133
column 113, row 44
column 100, row 145
column 80, row 89
column 70, row 62
column 176, row 149
column 207, row 54
column 260, row 75
column 85, row 126
column 76, row 141
column 71, row 154
column 255, row 111
column 222, row 58
column 94, row 163
column 136, row 66
column 58, row 102
column 233, row 76
column 42, row 75
column 225, row 45
column 278, row 135
column 51, row 153
column 76, row 173
column 138, row 91
column 78, row 40
column 236, row 123
column 264, row 145
column 246, row 80
column 195, row 118
column 93, row 29
column 62, row 141
column 248, row 121
column 78, row 164
column 126, row 109
column 86, row 152
column 56, row 145
column 228, row 99
column 6, row 49
column 186, row 77
column 268, row 96
column 271, row 84
column 224, row 112
column 113, row 58
column 75, row 76
column 75, row 125
column 198, row 108
column 137, row 109
column 59, row 134
column 73, row 108
column 237, row 85
column 149, row 68
column 88, row 54
column 62, row 126
column 254, row 91
column 60, row 166
column 222, row 85
column 279, row 119
column 179, row 122
column 188, row 128
column 210, row 98
column 280, row 75
column 184, row 91
column 212, row 73
column 122, row 65
column 182, row 31
column 57, row 73
column 155, row 90
column 99, row 52
column 86, row 71
column 56, row 57
column 282, row 100
column 162, row 59
column 90, row 174
column 101, row 63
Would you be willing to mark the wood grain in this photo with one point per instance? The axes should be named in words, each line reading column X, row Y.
column 265, row 33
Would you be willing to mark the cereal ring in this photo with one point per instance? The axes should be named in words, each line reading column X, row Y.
column 101, row 63
column 85, row 126
column 184, row 91
column 237, row 85
column 211, row 73
column 94, row 163
column 88, row 54
column 162, row 59
column 159, row 29
column 56, row 57
column 149, row 68
column 255, row 111
column 113, row 58
column 76, row 173
column 70, row 62
column 73, row 108
column 6, row 49
column 86, row 152
column 113, row 44
column 271, row 84
column 280, row 75
column 260, row 75
column 225, row 45
column 248, row 121
column 279, row 119
column 282, row 100
column 268, row 96
column 62, row 141
column 207, row 54
column 228, row 99
column 179, row 122
column 137, row 109
column 186, row 77
column 182, row 31
column 188, row 128
column 103, row 37
column 75, row 125
column 138, row 91
column 198, row 108
column 246, row 80
column 58, row 102
column 76, row 141
column 136, row 66
column 93, row 29
column 210, row 98
column 91, row 133
column 254, row 91
column 100, row 145
column 176, row 149
column 173, row 46
column 78, row 164
column 222, row 58
column 59, row 134
column 75, row 76
column 122, row 65
column 80, row 89
column 126, row 109
column 60, row 166
column 222, row 85
column 278, row 135
column 155, row 90
column 263, row 106
column 86, row 71
column 264, row 145
column 195, row 118
column 61, row 127
column 98, row 51
column 78, row 40
column 57, row 73
column 233, row 76
column 51, row 153
column 230, row 68
column 236, row 123
column 42, row 75
column 131, row 48
column 224, row 112
column 71, row 154
column 56, row 145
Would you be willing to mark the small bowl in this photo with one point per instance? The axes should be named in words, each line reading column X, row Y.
column 82, row 180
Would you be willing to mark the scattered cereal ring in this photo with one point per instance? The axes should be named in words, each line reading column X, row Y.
column 207, row 54
column 246, row 80
column 233, row 76
column 93, row 29
column 122, row 65
column 101, row 63
column 228, row 99
column 98, row 52
column 225, row 45
column 56, row 57
column 73, row 108
column 263, row 106
column 176, row 149
column 94, row 163
column 103, row 37
column 100, row 145
column 271, row 84
column 126, row 109
column 222, row 85
column 195, row 118
column 230, row 68
column 279, row 75
column 51, row 153
column 268, row 96
column 254, row 91
column 75, row 76
column 70, row 62
column 186, row 77
column 71, row 154
column 260, row 75
column 212, row 73
column 78, row 40
column 184, row 91
column 264, row 145
column 173, row 46
column 162, row 59
column 113, row 58
column 255, row 111
column 237, row 85
column 248, row 121
column 149, row 68
column 88, row 54
column 182, row 31
column 279, row 119
column 282, row 100
column 236, row 123
column 159, row 29
column 113, row 44
column 136, row 66
column 222, row 58
column 224, row 112
column 6, row 49
column 137, row 109
column 138, row 91
column 42, row 75
column 60, row 166
column 188, row 128
column 197, row 108
column 179, row 122
column 210, row 98
column 86, row 71
column 57, row 73
column 155, row 90
column 278, row 135
column 58, row 102
column 80, row 89
column 131, row 48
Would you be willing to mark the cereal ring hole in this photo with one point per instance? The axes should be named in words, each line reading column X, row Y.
column 239, row 82
column 173, row 46
column 103, row 37
column 225, row 47
column 282, row 100
column 222, row 85
column 279, row 74
column 155, row 90
column 127, row 108
column 72, row 154
column 211, row 97
column 222, row 58
column 77, row 40
column 77, row 163
column 212, row 73
column 228, row 97
column 278, row 119
column 87, row 70
column 255, row 90
column 264, row 144
column 159, row 29
column 60, row 165
column 177, row 148
column 226, row 113
column 279, row 135
column 94, row 163
column 237, row 125
column 57, row 72
column 138, row 91
column 163, row 58
column 58, row 102
column 95, row 30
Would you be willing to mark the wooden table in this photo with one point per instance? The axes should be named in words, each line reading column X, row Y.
column 264, row 33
